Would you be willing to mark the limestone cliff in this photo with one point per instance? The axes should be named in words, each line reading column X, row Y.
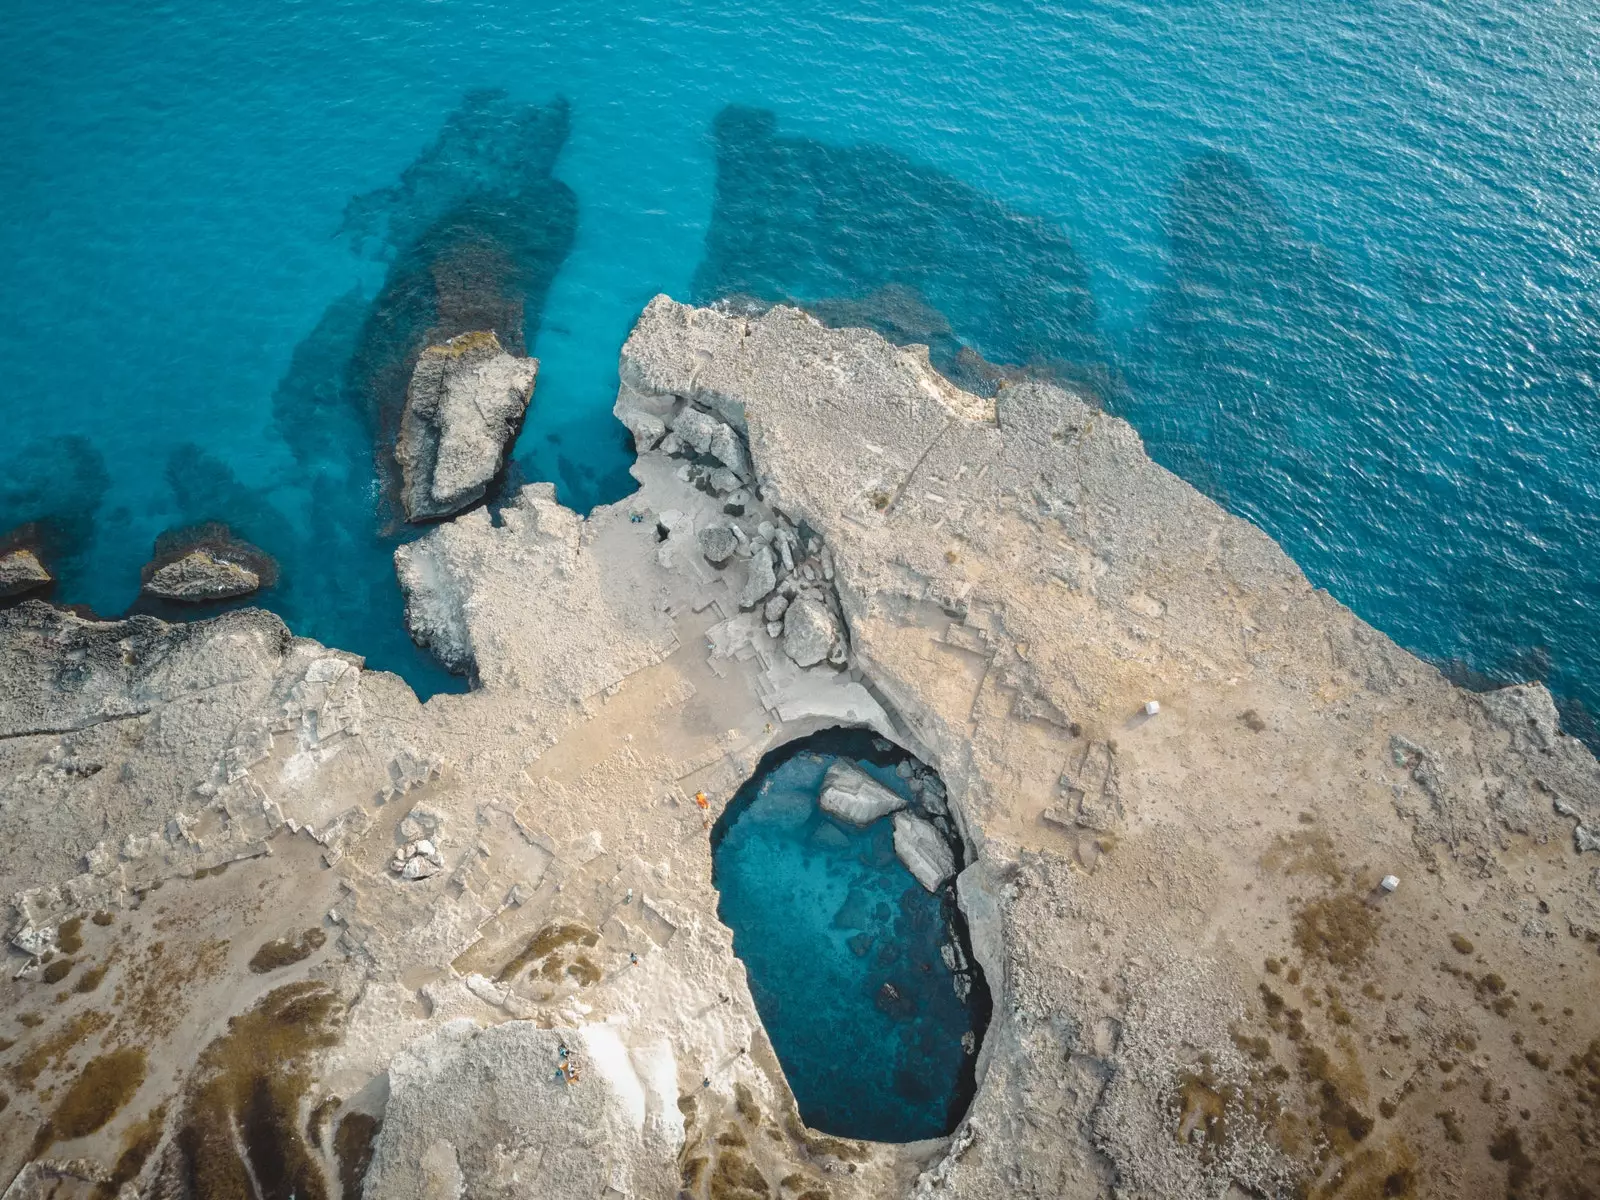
column 1201, row 988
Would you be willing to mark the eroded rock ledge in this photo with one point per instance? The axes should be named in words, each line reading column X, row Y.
column 1200, row 988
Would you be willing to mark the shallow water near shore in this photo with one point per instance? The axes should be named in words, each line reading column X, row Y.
column 1338, row 264
column 843, row 952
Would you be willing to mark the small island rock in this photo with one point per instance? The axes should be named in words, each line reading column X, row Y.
column 200, row 576
column 463, row 408
column 21, row 571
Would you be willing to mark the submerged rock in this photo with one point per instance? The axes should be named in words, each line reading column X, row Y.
column 810, row 631
column 21, row 571
column 852, row 795
column 199, row 576
column 923, row 850
column 463, row 408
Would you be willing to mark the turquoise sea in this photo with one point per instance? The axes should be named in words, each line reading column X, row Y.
column 1338, row 261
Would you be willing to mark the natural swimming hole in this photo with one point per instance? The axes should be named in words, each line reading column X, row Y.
column 865, row 981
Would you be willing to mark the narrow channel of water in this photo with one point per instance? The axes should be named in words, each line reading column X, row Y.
column 865, row 981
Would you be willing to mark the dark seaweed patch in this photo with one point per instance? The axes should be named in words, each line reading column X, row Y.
column 863, row 236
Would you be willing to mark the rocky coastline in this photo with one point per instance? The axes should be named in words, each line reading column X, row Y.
column 270, row 918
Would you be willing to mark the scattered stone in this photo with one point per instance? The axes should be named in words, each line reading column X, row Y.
column 852, row 795
column 200, row 576
column 810, row 631
column 21, row 571
column 728, row 449
column 723, row 481
column 761, row 579
column 1585, row 840
column 718, row 543
column 924, row 852
column 776, row 606
column 463, row 408
column 417, row 859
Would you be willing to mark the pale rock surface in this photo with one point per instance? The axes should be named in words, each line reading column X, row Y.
column 760, row 578
column 923, row 850
column 809, row 631
column 852, row 795
column 200, row 576
column 551, row 1138
column 463, row 408
column 21, row 571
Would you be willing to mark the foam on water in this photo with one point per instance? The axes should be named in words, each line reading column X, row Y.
column 1337, row 263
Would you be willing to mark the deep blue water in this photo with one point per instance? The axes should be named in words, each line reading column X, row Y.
column 841, row 946
column 1338, row 261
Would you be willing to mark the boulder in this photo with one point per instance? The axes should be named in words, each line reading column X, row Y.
column 728, row 449
column 761, row 579
column 810, row 631
column 717, row 543
column 463, row 409
column 852, row 795
column 21, row 571
column 923, row 850
column 201, row 575
column 697, row 430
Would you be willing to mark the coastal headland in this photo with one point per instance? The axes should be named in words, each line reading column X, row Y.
column 1265, row 905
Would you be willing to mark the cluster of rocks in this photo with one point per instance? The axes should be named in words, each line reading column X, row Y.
column 417, row 860
column 419, row 857
column 463, row 408
column 788, row 568
column 923, row 841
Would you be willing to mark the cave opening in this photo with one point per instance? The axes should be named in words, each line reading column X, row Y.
column 835, row 868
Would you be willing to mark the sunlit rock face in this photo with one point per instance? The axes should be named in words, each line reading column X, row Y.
column 863, row 977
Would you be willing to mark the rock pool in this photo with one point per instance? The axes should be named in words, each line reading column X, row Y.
column 864, row 980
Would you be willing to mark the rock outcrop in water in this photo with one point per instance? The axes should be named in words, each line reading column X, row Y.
column 1201, row 989
column 463, row 409
column 850, row 794
column 201, row 576
column 923, row 850
column 21, row 571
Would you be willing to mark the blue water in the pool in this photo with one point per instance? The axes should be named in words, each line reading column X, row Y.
column 842, row 950
column 1338, row 262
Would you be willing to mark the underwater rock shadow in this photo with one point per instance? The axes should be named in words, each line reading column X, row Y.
column 1269, row 379
column 861, row 235
column 51, row 492
column 1258, row 355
